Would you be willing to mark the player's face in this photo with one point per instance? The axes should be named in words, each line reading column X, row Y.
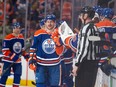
column 50, row 24
column 17, row 30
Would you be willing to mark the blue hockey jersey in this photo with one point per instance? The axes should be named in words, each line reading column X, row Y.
column 13, row 44
column 45, row 49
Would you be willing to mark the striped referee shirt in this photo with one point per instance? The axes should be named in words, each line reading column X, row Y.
column 86, row 49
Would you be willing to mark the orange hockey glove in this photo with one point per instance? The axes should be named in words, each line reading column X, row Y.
column 32, row 64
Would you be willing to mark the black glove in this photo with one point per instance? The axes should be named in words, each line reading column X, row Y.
column 32, row 64
column 26, row 57
column 106, row 68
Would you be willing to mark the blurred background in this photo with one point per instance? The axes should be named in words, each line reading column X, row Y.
column 30, row 12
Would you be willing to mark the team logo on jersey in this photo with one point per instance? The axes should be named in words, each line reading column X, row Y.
column 48, row 46
column 17, row 47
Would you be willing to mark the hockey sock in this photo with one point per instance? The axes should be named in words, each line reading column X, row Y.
column 16, row 79
column 3, row 80
column 40, row 85
column 1, row 85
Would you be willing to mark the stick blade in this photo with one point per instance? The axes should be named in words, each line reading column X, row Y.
column 33, row 83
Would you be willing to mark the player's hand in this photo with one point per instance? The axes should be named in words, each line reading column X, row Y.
column 14, row 57
column 32, row 64
column 74, row 71
column 55, row 33
column 58, row 41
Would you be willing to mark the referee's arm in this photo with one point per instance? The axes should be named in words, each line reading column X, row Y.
column 84, row 45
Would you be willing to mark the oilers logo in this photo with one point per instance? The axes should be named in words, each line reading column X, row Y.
column 48, row 46
column 17, row 47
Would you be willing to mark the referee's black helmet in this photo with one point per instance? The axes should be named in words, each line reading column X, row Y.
column 88, row 10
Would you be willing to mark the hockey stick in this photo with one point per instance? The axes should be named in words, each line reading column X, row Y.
column 4, row 71
column 34, row 83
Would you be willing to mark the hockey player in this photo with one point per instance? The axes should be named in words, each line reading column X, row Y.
column 69, row 41
column 13, row 48
column 45, row 55
column 98, row 11
column 106, row 30
column 67, row 63
column 70, row 44
column 106, row 27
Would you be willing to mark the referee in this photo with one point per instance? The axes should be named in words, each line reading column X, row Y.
column 86, row 67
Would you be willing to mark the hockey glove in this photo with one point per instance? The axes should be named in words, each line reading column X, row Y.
column 58, row 41
column 26, row 56
column 14, row 57
column 32, row 64
column 55, row 33
column 106, row 68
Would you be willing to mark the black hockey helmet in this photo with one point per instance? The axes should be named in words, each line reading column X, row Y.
column 88, row 10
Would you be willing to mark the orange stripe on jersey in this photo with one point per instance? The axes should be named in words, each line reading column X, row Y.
column 10, row 36
column 67, row 41
column 41, row 31
column 48, row 61
column 105, row 23
column 6, row 52
column 21, row 36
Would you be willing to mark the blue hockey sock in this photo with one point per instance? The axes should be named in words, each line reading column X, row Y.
column 3, row 80
column 17, row 79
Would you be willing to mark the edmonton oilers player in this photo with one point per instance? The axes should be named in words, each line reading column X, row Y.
column 45, row 55
column 13, row 48
column 70, row 44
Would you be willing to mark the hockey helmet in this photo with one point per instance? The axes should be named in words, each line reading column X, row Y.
column 98, row 9
column 107, row 13
column 50, row 17
column 88, row 10
column 16, row 25
column 42, row 22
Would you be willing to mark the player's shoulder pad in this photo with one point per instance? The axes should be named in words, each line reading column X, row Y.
column 41, row 31
column 9, row 36
column 21, row 36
